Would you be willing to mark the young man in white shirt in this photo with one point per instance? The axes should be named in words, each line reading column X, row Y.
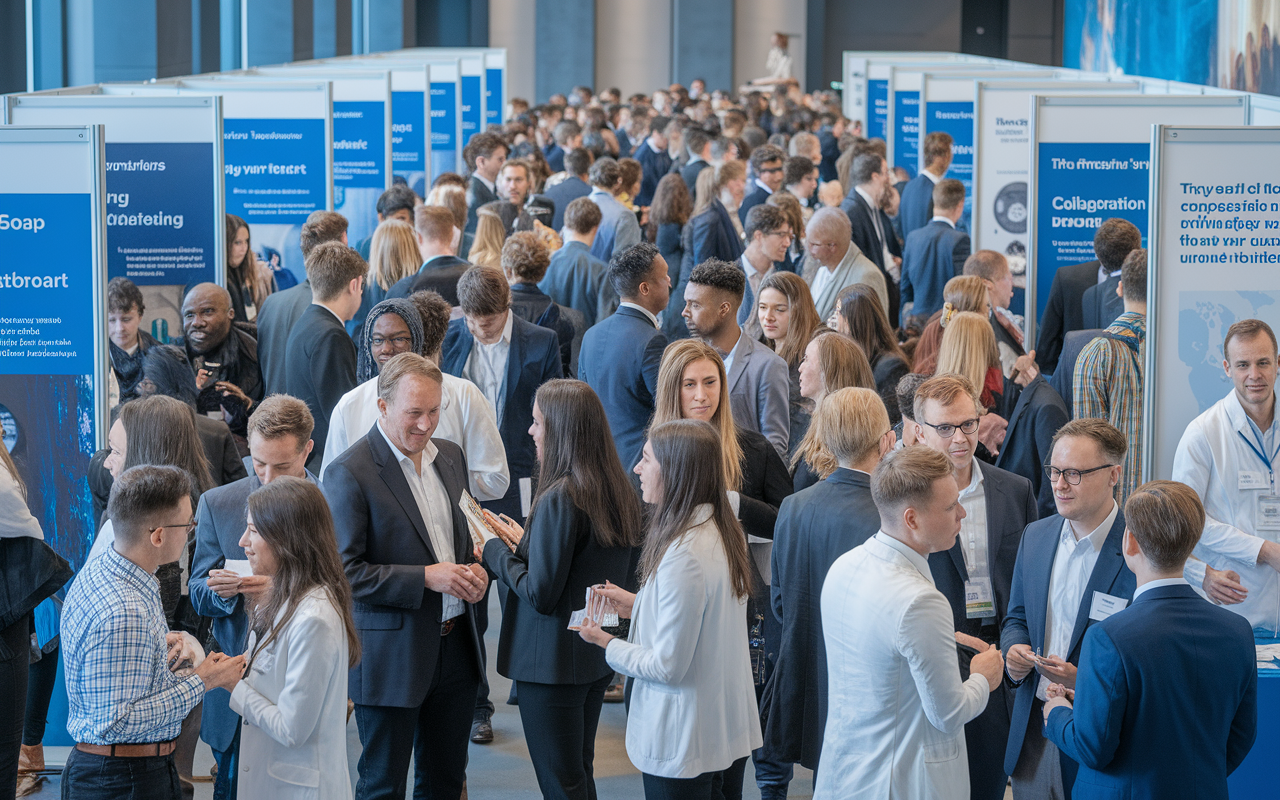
column 768, row 236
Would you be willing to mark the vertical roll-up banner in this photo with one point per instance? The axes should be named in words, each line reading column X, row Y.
column 164, row 221
column 866, row 92
column 1214, row 260
column 472, row 94
column 1090, row 161
column 445, row 80
column 495, row 86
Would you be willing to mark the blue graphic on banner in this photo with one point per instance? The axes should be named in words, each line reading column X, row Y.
column 275, row 169
column 472, row 105
column 906, row 130
column 408, row 133
column 444, row 125
column 493, row 96
column 160, row 223
column 1077, row 187
column 46, row 284
column 877, row 109
column 956, row 118
column 359, row 149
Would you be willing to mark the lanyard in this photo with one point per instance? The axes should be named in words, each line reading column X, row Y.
column 1260, row 452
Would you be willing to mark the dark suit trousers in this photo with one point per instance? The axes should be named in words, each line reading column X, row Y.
column 16, row 642
column 707, row 786
column 986, row 738
column 441, row 730
column 509, row 505
column 559, row 723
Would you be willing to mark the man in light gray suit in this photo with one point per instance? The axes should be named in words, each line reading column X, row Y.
column 836, row 262
column 759, row 382
column 279, row 444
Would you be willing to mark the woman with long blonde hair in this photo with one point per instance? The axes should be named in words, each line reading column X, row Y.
column 393, row 255
column 962, row 293
column 969, row 349
column 491, row 235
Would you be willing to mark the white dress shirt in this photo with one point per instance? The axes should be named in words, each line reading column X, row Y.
column 728, row 357
column 490, row 185
column 947, row 220
column 466, row 419
column 1073, row 564
column 973, row 528
column 1156, row 584
column 822, row 278
column 931, row 176
column 486, row 367
column 652, row 317
column 763, row 185
column 433, row 504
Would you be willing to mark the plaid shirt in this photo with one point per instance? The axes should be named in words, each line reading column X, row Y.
column 1108, row 385
column 115, row 658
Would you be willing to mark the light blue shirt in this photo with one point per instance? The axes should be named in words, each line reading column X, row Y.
column 918, row 561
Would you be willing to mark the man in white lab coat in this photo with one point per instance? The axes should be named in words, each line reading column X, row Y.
column 897, row 710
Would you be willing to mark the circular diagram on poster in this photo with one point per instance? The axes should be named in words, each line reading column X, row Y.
column 1011, row 207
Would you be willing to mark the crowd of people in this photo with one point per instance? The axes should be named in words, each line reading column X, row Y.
column 715, row 367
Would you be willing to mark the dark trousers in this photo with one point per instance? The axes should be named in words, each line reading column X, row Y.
column 41, row 677
column 15, row 652
column 90, row 777
column 560, row 723
column 435, row 734
column 228, row 761
column 509, row 505
column 986, row 736
column 707, row 786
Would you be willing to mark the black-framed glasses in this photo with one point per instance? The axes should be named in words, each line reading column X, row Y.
column 1073, row 476
column 947, row 430
column 189, row 526
column 763, row 170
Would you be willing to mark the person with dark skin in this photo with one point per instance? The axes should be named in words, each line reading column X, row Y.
column 224, row 357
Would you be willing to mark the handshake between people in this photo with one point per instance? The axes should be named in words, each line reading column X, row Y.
column 988, row 662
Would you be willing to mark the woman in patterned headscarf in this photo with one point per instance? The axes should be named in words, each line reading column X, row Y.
column 399, row 332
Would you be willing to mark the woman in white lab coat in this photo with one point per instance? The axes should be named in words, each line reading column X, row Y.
column 302, row 641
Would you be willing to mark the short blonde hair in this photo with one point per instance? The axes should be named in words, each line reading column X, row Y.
column 402, row 366
column 851, row 422
column 906, row 477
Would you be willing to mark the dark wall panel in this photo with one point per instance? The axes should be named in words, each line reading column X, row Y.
column 702, row 41
column 566, row 46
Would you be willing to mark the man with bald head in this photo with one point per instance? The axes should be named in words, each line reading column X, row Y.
column 223, row 355
column 836, row 262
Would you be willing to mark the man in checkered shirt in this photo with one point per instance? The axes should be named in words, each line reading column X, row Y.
column 126, row 704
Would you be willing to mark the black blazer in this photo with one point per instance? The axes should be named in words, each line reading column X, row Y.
column 548, row 575
column 815, row 527
column 765, row 484
column 1065, row 310
column 279, row 313
column 477, row 195
column 384, row 544
column 1037, row 415
column 1064, row 377
column 864, row 236
column 1011, row 506
column 755, row 197
column 440, row 274
column 619, row 360
column 690, row 173
column 654, row 167
column 888, row 371
column 1101, row 303
column 320, row 369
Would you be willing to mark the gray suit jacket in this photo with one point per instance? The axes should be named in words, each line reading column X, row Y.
column 853, row 268
column 759, row 385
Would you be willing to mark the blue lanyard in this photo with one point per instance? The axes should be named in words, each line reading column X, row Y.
column 1259, row 452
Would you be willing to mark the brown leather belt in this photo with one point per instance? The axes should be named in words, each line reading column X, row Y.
column 128, row 750
column 446, row 627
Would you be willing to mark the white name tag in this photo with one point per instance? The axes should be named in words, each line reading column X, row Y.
column 1104, row 605
column 1252, row 480
column 1268, row 517
column 979, row 600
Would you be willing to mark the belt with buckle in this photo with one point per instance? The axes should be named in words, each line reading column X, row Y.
column 150, row 750
column 446, row 627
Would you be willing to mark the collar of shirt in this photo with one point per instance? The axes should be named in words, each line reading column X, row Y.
column 1097, row 536
column 334, row 313
column 490, row 185
column 750, row 269
column 433, row 258
column 931, row 176
column 866, row 198
column 506, row 332
column 943, row 219
column 1156, row 584
column 654, row 147
column 729, row 356
column 918, row 561
column 694, row 159
column 1103, row 274
column 134, row 574
column 649, row 314
column 428, row 453
column 763, row 185
column 975, row 482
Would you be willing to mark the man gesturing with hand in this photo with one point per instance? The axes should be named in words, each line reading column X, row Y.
column 405, row 548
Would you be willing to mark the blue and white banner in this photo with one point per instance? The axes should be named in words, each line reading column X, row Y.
column 493, row 95
column 472, row 107
column 878, row 108
column 409, row 136
column 906, row 130
column 359, row 163
column 956, row 118
column 444, row 124
column 275, row 169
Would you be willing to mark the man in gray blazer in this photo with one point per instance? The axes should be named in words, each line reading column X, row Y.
column 279, row 444
column 836, row 262
column 406, row 551
column 759, row 382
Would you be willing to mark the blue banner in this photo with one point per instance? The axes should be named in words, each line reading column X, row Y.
column 444, row 124
column 472, row 105
column 906, row 131
column 408, row 135
column 1077, row 187
column 877, row 109
column 275, row 169
column 46, row 285
column 956, row 118
column 359, row 136
column 493, row 109
column 160, row 221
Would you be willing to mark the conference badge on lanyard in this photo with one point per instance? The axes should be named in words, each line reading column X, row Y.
column 979, row 600
column 1267, row 510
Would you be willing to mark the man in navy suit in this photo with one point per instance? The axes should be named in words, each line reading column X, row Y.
column 872, row 230
column 1070, row 574
column 576, row 163
column 279, row 443
column 438, row 237
column 1166, row 697
column 766, row 163
column 698, row 143
column 576, row 278
column 484, row 155
column 918, row 205
column 934, row 254
column 655, row 161
column 976, row 575
column 566, row 135
column 620, row 356
column 833, row 127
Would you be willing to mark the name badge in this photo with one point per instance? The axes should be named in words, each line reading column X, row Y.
column 979, row 599
column 1104, row 605
column 1268, row 516
column 1252, row 480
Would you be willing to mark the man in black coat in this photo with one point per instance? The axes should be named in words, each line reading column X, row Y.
column 576, row 163
column 223, row 355
column 872, row 229
column 976, row 575
column 408, row 555
column 438, row 238
column 484, row 155
column 655, row 161
column 1038, row 412
column 815, row 527
column 320, row 362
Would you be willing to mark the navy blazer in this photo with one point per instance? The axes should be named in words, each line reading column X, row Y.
column 1166, row 701
column 384, row 545
column 654, row 167
column 554, row 154
column 619, row 360
column 579, row 280
column 440, row 274
column 1101, row 305
column 279, row 313
column 915, row 209
column 713, row 236
column 321, row 368
column 477, row 195
column 1064, row 311
column 934, row 254
column 815, row 527
column 564, row 193
column 1063, row 379
column 1037, row 415
column 690, row 172
column 534, row 359
column 864, row 236
column 1028, row 607
column 753, row 198
column 830, row 155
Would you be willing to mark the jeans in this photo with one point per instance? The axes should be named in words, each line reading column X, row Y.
column 41, row 677
column 228, row 761
column 15, row 645
column 560, row 723
column 90, row 777
column 707, row 786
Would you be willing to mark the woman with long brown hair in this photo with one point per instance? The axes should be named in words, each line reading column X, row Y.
column 832, row 362
column 582, row 529
column 788, row 321
column 693, row 718
column 669, row 229
column 248, row 281
column 859, row 315
column 713, row 231
column 302, row 642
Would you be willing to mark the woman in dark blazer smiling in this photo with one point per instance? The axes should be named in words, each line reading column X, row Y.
column 583, row 525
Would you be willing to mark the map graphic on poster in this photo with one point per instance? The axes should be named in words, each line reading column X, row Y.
column 1203, row 319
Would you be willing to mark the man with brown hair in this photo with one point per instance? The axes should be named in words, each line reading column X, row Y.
column 524, row 263
column 320, row 357
column 918, row 203
column 128, row 341
column 438, row 237
column 575, row 278
column 934, row 254
column 484, row 155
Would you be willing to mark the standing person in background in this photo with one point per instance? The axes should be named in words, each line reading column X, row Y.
column 766, row 164
column 619, row 228
column 490, row 235
column 484, row 155
column 453, row 196
column 668, row 221
column 575, row 278
column 302, row 642
column 918, row 203
column 859, row 315
column 788, row 322
column 437, row 237
column 395, row 256
column 831, row 362
column 712, row 232
column 128, row 342
column 993, row 268
column 769, row 234
column 834, row 262
column 871, row 229
column 693, row 718
column 793, row 257
column 397, row 202
column 222, row 354
column 577, row 163
column 962, row 293
column 583, row 525
column 654, row 160
column 524, row 264
column 934, row 254
column 697, row 144
column 248, row 280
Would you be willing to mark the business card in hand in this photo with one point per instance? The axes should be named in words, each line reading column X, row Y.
column 240, row 566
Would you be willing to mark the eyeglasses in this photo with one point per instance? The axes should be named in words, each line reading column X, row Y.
column 946, row 431
column 788, row 235
column 398, row 341
column 190, row 526
column 763, row 170
column 1073, row 476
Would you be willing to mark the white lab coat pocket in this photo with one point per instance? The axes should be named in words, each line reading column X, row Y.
column 939, row 752
column 295, row 774
column 662, row 722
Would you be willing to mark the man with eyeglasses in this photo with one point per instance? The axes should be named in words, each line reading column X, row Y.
column 976, row 574
column 766, row 163
column 768, row 237
column 1070, row 574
